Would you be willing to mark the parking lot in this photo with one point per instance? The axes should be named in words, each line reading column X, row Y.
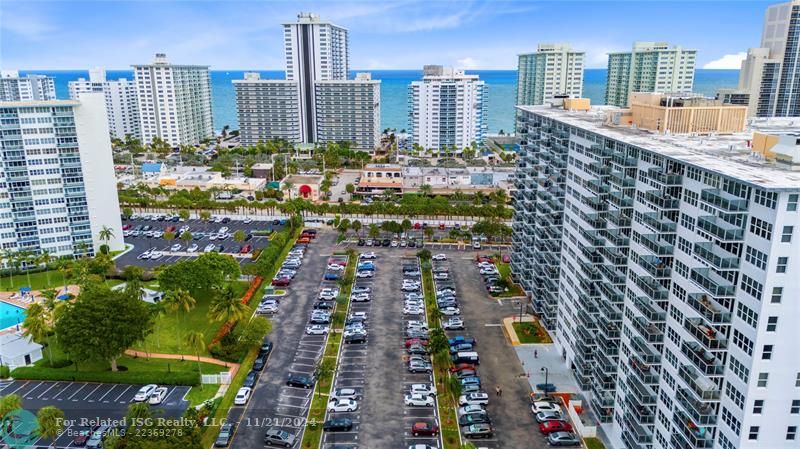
column 200, row 230
column 86, row 404
column 273, row 404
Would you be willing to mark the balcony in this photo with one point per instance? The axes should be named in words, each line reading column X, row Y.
column 605, row 364
column 621, row 180
column 652, row 288
column 711, row 282
column 620, row 200
column 716, row 256
column 638, row 433
column 666, row 179
column 649, row 331
column 615, row 256
column 711, row 338
column 609, row 311
column 661, row 201
column 658, row 224
column 703, row 360
column 611, row 292
column 643, row 351
column 643, row 415
column 655, row 266
column 597, row 187
column 607, row 329
column 612, row 275
column 723, row 201
column 623, row 160
column 656, row 244
column 644, row 371
column 691, row 435
column 649, row 309
column 709, row 309
column 705, row 388
column 619, row 219
column 641, row 393
column 720, row 229
column 608, row 347
column 592, row 237
column 700, row 412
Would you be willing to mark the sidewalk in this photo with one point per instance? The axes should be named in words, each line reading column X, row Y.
column 233, row 367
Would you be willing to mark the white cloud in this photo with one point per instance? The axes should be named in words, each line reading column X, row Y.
column 467, row 63
column 733, row 61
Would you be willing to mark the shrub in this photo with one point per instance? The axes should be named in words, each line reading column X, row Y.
column 59, row 363
column 5, row 371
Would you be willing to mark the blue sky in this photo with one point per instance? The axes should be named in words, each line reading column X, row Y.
column 384, row 34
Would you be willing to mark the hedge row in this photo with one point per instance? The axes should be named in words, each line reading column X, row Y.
column 119, row 377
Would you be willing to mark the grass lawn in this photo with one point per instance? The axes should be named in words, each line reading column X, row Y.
column 529, row 332
column 171, row 328
column 198, row 394
column 39, row 281
column 593, row 443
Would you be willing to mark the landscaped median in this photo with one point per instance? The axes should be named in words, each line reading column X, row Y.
column 527, row 331
column 327, row 366
column 448, row 394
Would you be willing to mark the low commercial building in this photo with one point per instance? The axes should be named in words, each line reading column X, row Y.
column 376, row 179
column 17, row 350
column 187, row 178
column 303, row 186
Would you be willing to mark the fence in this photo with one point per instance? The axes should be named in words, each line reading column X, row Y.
column 223, row 378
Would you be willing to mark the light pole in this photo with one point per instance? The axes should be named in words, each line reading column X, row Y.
column 546, row 387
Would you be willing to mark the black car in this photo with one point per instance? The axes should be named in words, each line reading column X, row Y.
column 300, row 381
column 412, row 244
column 260, row 363
column 362, row 242
column 474, row 418
column 338, row 425
column 224, row 435
column 266, row 348
column 248, row 237
column 276, row 222
column 376, row 242
column 226, row 220
column 324, row 305
column 356, row 338
column 386, row 242
column 250, row 380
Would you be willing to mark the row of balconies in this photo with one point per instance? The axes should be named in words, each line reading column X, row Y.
column 723, row 201
column 690, row 435
column 662, row 225
column 720, row 229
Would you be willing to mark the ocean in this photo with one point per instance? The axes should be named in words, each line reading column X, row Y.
column 394, row 91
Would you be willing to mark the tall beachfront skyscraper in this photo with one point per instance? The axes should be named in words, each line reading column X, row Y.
column 174, row 102
column 769, row 82
column 316, row 103
column 649, row 67
column 32, row 87
column 553, row 70
column 447, row 109
column 122, row 105
column 662, row 263
column 59, row 190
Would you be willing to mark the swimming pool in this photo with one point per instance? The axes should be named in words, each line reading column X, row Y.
column 10, row 315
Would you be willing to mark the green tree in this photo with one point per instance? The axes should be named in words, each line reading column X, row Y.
column 239, row 236
column 102, row 324
column 426, row 189
column 356, row 226
column 225, row 266
column 205, row 215
column 45, row 259
column 9, row 403
column 255, row 331
column 196, row 342
column 428, row 232
column 184, row 214
column 37, row 326
column 350, row 188
column 438, row 340
column 227, row 307
column 186, row 236
column 50, row 423
column 138, row 413
column 374, row 231
column 127, row 211
column 105, row 235
column 180, row 302
column 169, row 236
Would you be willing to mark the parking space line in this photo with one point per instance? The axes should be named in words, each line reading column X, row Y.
column 45, row 391
column 20, row 387
column 90, row 393
column 123, row 392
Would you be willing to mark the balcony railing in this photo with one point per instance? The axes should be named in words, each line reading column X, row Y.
column 691, row 435
column 644, row 352
column 720, row 229
column 700, row 412
column 642, row 393
column 649, row 331
column 705, row 388
column 660, row 200
column 652, row 288
column 656, row 244
column 667, row 179
column 649, row 309
column 709, row 309
column 723, row 200
column 709, row 337
column 640, row 434
column 656, row 266
column 659, row 224
column 711, row 282
column 716, row 256
column 703, row 360
column 644, row 371
column 621, row 180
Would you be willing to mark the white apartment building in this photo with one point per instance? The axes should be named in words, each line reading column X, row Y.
column 553, row 70
column 316, row 103
column 447, row 109
column 664, row 264
column 32, row 87
column 768, row 80
column 121, row 103
column 58, row 189
column 174, row 102
column 649, row 67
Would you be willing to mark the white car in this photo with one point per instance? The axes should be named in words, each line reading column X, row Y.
column 317, row 329
column 144, row 393
column 423, row 389
column 473, row 399
column 364, row 274
column 192, row 248
column 414, row 296
column 328, row 293
column 537, row 407
column 419, row 400
column 451, row 311
column 158, row 396
column 210, row 247
column 213, row 236
column 489, row 271
column 361, row 290
column 144, row 255
column 471, row 408
column 242, row 396
column 439, row 257
column 267, row 309
column 247, row 220
column 334, row 267
column 453, row 323
column 175, row 247
column 223, row 230
column 342, row 405
column 344, row 393
column 416, row 324
column 361, row 297
column 413, row 311
column 359, row 315
column 369, row 255
column 156, row 255
column 441, row 276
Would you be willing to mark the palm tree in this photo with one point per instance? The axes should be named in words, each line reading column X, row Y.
column 138, row 412
column 426, row 189
column 51, row 423
column 105, row 235
column 227, row 307
column 9, row 403
column 374, row 231
column 26, row 257
column 287, row 187
column 36, row 326
column 186, row 236
column 356, row 226
column 8, row 258
column 181, row 302
column 196, row 341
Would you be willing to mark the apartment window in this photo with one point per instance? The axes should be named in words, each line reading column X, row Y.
column 777, row 293
column 755, row 257
column 772, row 323
column 744, row 343
column 758, row 406
column 743, row 372
column 747, row 314
column 753, row 433
column 766, row 198
column 761, row 228
column 763, row 379
column 731, row 421
column 766, row 353
column 690, row 197
column 791, row 432
column 752, row 287
column 782, row 263
column 791, row 205
column 795, row 408
column 687, row 222
column 736, row 396
column 786, row 235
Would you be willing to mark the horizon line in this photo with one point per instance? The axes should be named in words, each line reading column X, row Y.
column 281, row 70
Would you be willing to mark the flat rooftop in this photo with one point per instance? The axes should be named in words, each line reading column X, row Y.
column 726, row 154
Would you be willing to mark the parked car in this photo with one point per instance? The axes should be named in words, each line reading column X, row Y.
column 225, row 434
column 344, row 393
column 342, row 405
column 158, row 396
column 474, row 418
column 418, row 400
column 555, row 426
column 563, row 439
column 471, row 408
column 453, row 323
column 242, row 396
column 145, row 392
column 483, row 430
column 423, row 389
column 96, row 440
column 277, row 437
column 549, row 416
column 300, row 380
column 473, row 399
column 424, row 427
column 439, row 257
column 537, row 407
column 338, row 425
column 250, row 380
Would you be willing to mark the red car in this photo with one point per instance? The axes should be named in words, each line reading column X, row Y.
column 303, row 240
column 555, row 426
column 428, row 428
column 83, row 436
column 246, row 249
column 417, row 225
column 281, row 282
column 441, row 226
column 413, row 341
column 485, row 259
column 170, row 229
column 127, row 226
column 462, row 367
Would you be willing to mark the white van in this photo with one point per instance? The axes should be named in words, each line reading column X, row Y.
column 466, row 357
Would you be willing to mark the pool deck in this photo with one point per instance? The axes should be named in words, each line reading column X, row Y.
column 34, row 296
